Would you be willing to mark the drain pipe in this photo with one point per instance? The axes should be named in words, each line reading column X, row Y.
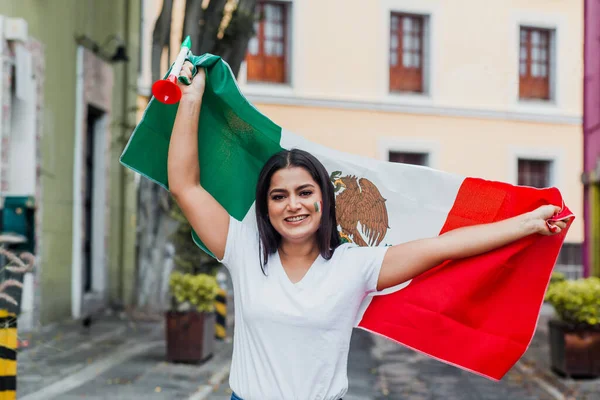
column 124, row 125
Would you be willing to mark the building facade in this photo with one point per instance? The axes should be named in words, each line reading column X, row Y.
column 69, row 70
column 484, row 89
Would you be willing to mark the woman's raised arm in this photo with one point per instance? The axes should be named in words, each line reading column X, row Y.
column 206, row 216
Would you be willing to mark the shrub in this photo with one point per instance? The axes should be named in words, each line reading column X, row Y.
column 577, row 302
column 193, row 291
column 557, row 277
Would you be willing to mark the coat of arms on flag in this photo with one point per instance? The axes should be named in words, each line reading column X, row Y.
column 361, row 212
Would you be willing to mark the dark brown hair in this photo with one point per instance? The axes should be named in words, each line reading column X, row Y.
column 328, row 237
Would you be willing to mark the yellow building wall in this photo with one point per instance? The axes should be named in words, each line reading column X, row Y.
column 340, row 50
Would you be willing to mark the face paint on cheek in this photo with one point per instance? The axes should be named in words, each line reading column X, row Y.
column 318, row 206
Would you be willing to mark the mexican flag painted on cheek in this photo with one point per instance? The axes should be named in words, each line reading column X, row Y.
column 478, row 313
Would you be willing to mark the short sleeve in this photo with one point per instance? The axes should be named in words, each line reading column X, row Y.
column 368, row 261
column 241, row 240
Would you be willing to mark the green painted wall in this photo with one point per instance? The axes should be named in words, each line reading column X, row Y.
column 56, row 24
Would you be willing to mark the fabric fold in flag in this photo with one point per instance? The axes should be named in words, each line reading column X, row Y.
column 478, row 314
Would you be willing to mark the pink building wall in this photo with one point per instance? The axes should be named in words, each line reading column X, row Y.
column 591, row 132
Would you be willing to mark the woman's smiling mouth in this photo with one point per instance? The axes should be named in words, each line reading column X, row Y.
column 296, row 219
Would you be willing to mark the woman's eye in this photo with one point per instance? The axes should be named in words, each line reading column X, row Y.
column 306, row 193
column 275, row 198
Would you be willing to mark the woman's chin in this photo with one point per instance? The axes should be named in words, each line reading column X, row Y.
column 299, row 234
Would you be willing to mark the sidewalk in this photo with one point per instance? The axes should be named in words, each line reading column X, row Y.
column 115, row 358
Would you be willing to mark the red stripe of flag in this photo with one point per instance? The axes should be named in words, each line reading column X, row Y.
column 478, row 313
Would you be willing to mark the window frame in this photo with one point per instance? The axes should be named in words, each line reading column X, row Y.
column 554, row 154
column 422, row 52
column 285, row 40
column 549, row 165
column 424, row 155
column 387, row 145
column 528, row 82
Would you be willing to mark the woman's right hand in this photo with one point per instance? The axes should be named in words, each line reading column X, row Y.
column 195, row 90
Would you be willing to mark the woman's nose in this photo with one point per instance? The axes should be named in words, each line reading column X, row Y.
column 294, row 204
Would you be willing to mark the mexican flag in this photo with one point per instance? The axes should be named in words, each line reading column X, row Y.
column 478, row 313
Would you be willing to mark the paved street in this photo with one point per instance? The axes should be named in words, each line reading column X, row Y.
column 113, row 359
column 380, row 369
column 118, row 358
column 405, row 374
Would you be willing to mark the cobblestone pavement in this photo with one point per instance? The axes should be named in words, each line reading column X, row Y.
column 537, row 358
column 379, row 369
column 405, row 374
column 113, row 359
column 118, row 358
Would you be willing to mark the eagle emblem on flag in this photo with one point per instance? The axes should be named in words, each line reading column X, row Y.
column 358, row 201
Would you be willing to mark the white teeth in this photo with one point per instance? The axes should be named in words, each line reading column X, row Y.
column 294, row 219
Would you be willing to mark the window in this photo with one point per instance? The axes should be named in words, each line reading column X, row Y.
column 266, row 58
column 534, row 64
column 570, row 260
column 535, row 173
column 406, row 53
column 409, row 158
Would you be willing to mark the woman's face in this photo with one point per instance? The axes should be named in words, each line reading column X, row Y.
column 291, row 204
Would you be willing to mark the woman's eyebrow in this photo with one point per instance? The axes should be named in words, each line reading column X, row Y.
column 277, row 190
column 281, row 190
column 306, row 185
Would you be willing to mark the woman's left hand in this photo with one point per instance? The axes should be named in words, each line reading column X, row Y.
column 539, row 220
column 418, row 256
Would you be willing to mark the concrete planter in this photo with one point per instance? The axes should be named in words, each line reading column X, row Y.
column 574, row 351
column 190, row 336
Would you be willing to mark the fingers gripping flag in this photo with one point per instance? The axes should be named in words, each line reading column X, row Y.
column 478, row 313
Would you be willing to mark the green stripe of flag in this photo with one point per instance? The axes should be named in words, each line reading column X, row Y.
column 234, row 140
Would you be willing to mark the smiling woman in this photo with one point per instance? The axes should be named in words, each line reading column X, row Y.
column 297, row 297
column 295, row 314
column 289, row 185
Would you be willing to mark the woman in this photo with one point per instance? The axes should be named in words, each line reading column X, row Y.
column 297, row 288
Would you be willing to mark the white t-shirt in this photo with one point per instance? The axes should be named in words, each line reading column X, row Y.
column 291, row 341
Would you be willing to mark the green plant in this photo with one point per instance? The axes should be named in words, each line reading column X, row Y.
column 557, row 277
column 193, row 291
column 577, row 302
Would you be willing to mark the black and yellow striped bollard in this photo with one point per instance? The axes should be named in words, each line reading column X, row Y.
column 221, row 310
column 8, row 355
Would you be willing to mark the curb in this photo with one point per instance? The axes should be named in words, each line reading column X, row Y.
column 118, row 355
column 547, row 380
column 215, row 380
column 542, row 379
